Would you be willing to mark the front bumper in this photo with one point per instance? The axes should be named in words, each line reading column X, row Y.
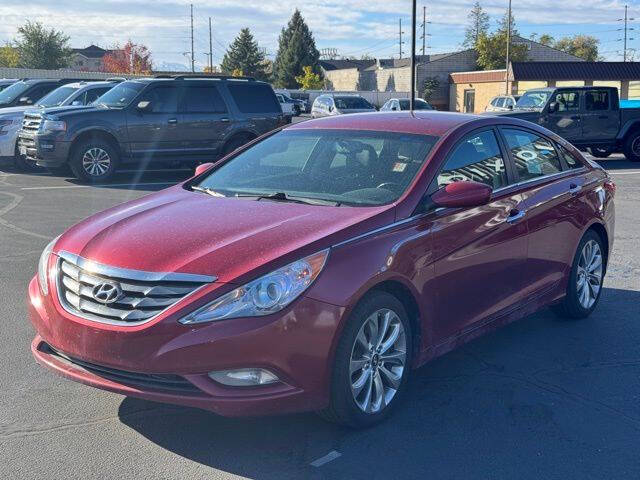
column 45, row 150
column 297, row 346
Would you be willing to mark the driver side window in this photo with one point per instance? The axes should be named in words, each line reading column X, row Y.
column 477, row 158
column 567, row 101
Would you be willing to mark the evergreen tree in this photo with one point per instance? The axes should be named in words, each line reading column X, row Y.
column 296, row 50
column 478, row 25
column 244, row 56
column 39, row 47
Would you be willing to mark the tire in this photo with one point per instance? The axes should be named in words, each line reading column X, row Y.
column 363, row 389
column 631, row 147
column 601, row 152
column 296, row 110
column 235, row 143
column 89, row 163
column 24, row 165
column 575, row 304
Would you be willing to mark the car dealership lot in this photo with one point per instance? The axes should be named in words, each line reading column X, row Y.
column 541, row 398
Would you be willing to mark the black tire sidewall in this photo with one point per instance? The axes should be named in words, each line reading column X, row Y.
column 572, row 303
column 628, row 151
column 342, row 401
column 79, row 151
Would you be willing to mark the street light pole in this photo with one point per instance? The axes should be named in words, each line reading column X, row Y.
column 413, row 58
column 506, row 75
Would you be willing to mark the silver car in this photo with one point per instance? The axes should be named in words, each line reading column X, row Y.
column 502, row 103
column 397, row 104
column 329, row 105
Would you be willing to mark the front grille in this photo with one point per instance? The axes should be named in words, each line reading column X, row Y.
column 31, row 122
column 139, row 296
column 143, row 381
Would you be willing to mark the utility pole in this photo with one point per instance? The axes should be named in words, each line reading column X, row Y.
column 210, row 48
column 400, row 33
column 626, row 29
column 193, row 57
column 413, row 57
column 506, row 75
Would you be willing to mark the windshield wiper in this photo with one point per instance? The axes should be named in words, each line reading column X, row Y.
column 208, row 191
column 285, row 197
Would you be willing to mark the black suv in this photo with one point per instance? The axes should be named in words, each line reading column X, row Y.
column 28, row 92
column 188, row 119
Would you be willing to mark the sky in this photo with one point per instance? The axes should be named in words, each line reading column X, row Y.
column 353, row 27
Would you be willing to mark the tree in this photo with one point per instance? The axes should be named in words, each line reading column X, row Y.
column 39, row 47
column 546, row 39
column 492, row 49
column 478, row 25
column 429, row 86
column 310, row 80
column 9, row 56
column 245, row 56
column 296, row 49
column 132, row 58
column 583, row 46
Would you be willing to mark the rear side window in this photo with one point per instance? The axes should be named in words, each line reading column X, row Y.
column 533, row 155
column 203, row 99
column 477, row 158
column 254, row 98
column 596, row 100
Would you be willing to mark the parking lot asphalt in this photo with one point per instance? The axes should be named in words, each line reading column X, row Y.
column 539, row 399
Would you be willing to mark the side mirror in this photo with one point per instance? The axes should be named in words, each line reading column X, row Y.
column 25, row 100
column 510, row 107
column 553, row 107
column 462, row 194
column 203, row 167
column 144, row 106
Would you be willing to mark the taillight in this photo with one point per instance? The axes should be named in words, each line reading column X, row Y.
column 610, row 187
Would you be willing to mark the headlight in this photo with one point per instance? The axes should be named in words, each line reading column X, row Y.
column 54, row 126
column 42, row 266
column 265, row 295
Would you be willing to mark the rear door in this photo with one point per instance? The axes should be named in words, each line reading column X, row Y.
column 479, row 252
column 552, row 192
column 566, row 120
column 600, row 119
column 155, row 133
column 205, row 120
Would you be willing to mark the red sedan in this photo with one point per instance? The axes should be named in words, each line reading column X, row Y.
column 315, row 268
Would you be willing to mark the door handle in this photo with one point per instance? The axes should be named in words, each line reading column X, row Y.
column 515, row 216
column 224, row 120
column 172, row 121
column 574, row 188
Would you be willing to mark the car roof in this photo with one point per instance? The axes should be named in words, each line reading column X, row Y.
column 423, row 122
column 88, row 84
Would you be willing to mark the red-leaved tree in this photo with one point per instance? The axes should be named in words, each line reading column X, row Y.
column 132, row 58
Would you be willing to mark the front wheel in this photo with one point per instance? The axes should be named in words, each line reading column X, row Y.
column 632, row 147
column 372, row 362
column 601, row 152
column 585, row 280
column 94, row 161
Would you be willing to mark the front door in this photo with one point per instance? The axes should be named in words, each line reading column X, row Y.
column 479, row 252
column 566, row 120
column 469, row 101
column 155, row 132
column 205, row 121
column 599, row 121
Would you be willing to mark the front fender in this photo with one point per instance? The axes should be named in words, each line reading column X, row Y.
column 627, row 127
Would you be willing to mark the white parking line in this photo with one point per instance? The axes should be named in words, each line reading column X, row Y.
column 634, row 172
column 329, row 457
column 100, row 186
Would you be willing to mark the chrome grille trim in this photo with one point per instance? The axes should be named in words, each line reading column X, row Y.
column 31, row 122
column 145, row 295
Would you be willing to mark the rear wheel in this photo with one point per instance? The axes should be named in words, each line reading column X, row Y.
column 372, row 362
column 235, row 143
column 94, row 161
column 632, row 147
column 586, row 278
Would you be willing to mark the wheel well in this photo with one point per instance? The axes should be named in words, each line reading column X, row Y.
column 408, row 300
column 246, row 136
column 604, row 236
column 97, row 134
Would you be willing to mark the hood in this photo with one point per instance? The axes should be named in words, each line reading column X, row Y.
column 13, row 111
column 530, row 115
column 64, row 111
column 355, row 110
column 181, row 231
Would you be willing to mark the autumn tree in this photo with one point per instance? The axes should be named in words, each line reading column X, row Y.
column 244, row 56
column 296, row 50
column 9, row 56
column 309, row 80
column 478, row 25
column 132, row 58
column 40, row 47
column 582, row 46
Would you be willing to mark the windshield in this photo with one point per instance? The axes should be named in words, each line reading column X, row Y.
column 121, row 95
column 55, row 98
column 419, row 105
column 12, row 92
column 533, row 100
column 359, row 168
column 351, row 103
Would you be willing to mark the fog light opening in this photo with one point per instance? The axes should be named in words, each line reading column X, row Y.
column 244, row 377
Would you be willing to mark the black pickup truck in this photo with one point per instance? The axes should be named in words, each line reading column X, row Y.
column 589, row 117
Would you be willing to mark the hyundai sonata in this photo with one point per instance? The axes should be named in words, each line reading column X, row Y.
column 315, row 268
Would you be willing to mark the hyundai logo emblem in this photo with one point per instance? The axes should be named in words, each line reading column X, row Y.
column 107, row 292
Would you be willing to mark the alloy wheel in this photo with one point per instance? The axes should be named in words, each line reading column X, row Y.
column 589, row 274
column 378, row 359
column 635, row 146
column 96, row 161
